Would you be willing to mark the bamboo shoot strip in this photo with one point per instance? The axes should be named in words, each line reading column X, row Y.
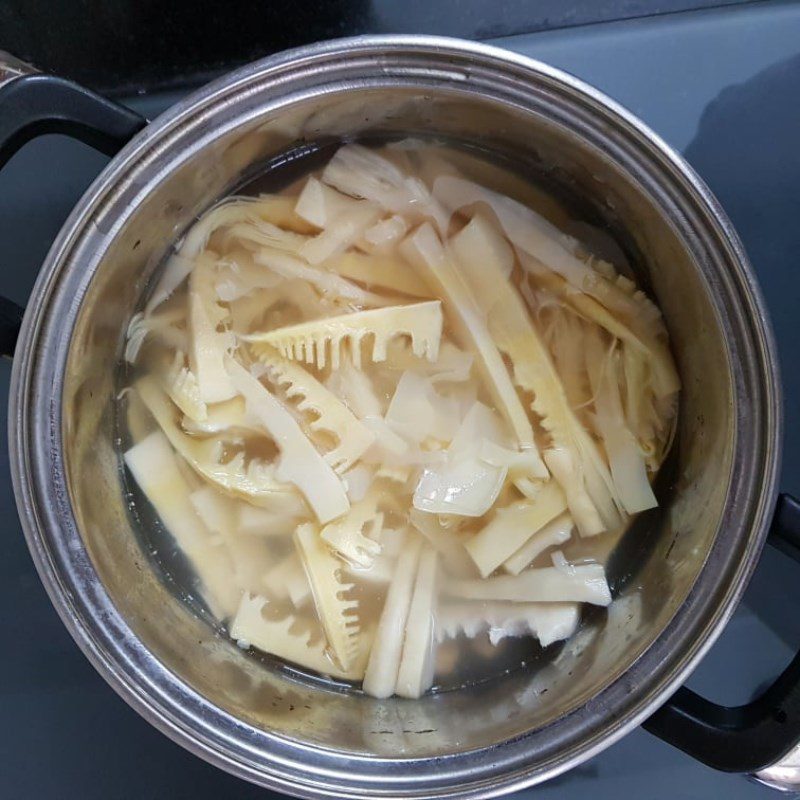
column 380, row 679
column 512, row 526
column 585, row 583
column 415, row 675
column 556, row 532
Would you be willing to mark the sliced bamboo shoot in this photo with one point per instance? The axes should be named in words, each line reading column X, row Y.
column 415, row 675
column 384, row 271
column 585, row 583
column 227, row 417
column 555, row 533
column 347, row 535
column 255, row 483
column 278, row 637
column 380, row 678
column 336, row 614
column 329, row 414
column 300, row 464
column 511, row 527
column 310, row 341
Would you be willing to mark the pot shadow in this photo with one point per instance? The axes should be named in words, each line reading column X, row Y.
column 746, row 149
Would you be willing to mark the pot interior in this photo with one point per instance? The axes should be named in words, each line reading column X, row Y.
column 652, row 569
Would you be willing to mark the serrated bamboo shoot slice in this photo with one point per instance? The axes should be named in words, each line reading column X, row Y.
column 208, row 345
column 330, row 415
column 299, row 463
column 554, row 533
column 336, row 613
column 415, row 675
column 183, row 389
column 256, row 483
column 512, row 526
column 347, row 535
column 380, row 678
column 425, row 251
column 154, row 466
column 584, row 583
column 548, row 622
column 391, row 540
column 311, row 341
column 279, row 638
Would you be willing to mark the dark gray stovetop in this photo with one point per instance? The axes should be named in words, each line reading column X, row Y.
column 723, row 87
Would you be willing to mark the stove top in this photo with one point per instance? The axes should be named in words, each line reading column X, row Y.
column 720, row 85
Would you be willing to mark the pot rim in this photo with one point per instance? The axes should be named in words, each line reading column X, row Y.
column 161, row 697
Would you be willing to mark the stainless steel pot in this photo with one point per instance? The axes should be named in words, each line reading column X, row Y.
column 677, row 576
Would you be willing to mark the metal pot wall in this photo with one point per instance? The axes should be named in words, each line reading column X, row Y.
column 676, row 576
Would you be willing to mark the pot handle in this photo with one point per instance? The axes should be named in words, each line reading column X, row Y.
column 33, row 104
column 761, row 737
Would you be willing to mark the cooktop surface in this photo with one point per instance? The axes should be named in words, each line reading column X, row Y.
column 721, row 85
